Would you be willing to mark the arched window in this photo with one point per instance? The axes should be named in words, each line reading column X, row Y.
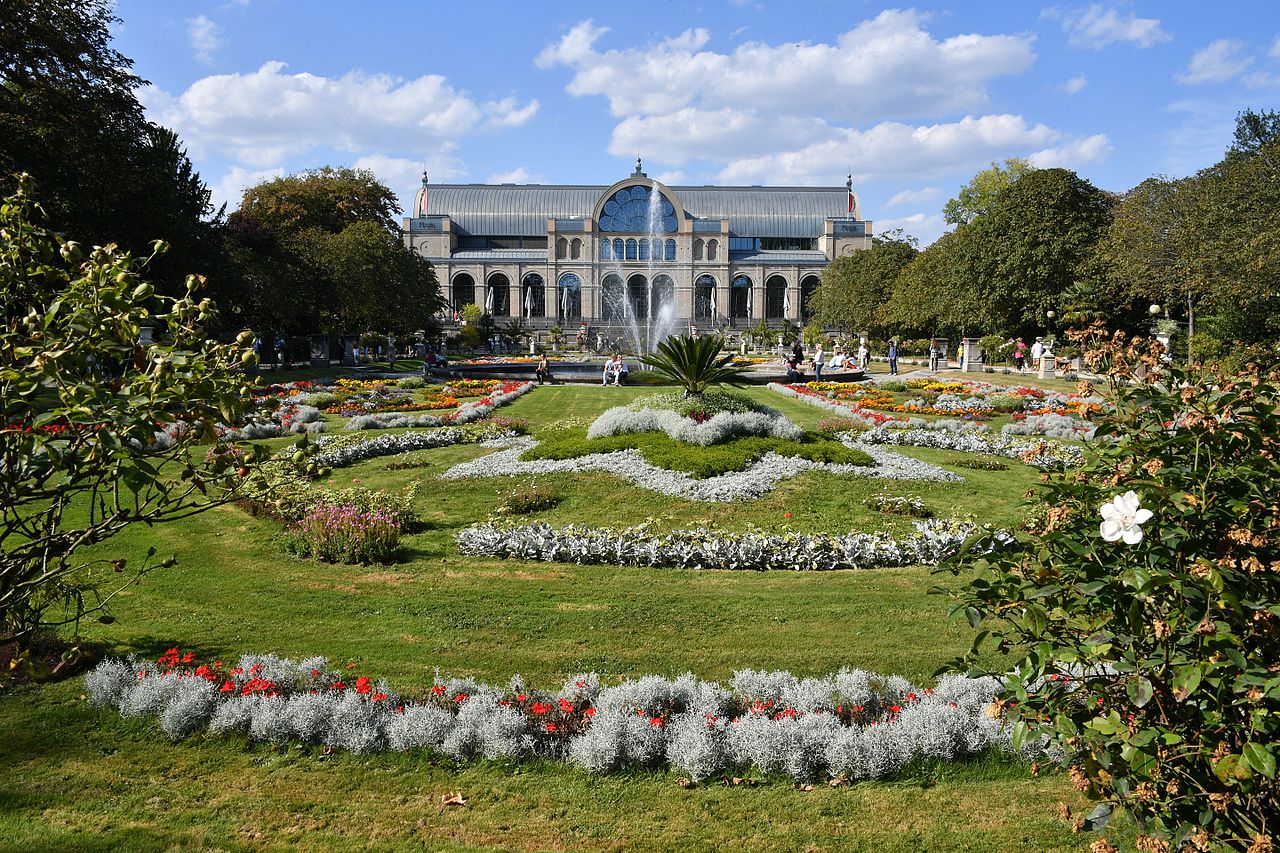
column 562, row 248
column 464, row 291
column 662, row 297
column 628, row 210
column 533, row 297
column 775, row 298
column 704, row 298
column 697, row 249
column 617, row 248
column 807, row 286
column 570, row 297
column 644, row 250
column 671, row 250
column 606, row 250
column 631, row 249
column 740, row 298
column 613, row 299
column 713, row 247
column 497, row 297
column 638, row 296
column 575, row 249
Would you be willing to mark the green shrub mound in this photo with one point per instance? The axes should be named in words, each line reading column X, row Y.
column 662, row 451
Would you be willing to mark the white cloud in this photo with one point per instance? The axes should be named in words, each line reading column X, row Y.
column 895, row 150
column 925, row 227
column 1073, row 153
column 1275, row 49
column 913, row 196
column 1096, row 27
column 1217, row 62
column 672, row 178
column 1075, row 85
column 264, row 117
column 884, row 67
column 205, row 37
column 404, row 174
column 518, row 175
column 229, row 189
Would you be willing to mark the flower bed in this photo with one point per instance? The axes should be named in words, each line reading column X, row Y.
column 716, row 429
column 344, row 533
column 482, row 408
column 713, row 549
column 1043, row 454
column 849, row 726
column 1050, row 425
column 749, row 483
column 804, row 394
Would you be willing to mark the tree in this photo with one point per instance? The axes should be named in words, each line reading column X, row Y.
column 854, row 287
column 333, row 229
column 931, row 293
column 72, row 120
column 1031, row 246
column 98, row 429
column 976, row 197
column 1254, row 130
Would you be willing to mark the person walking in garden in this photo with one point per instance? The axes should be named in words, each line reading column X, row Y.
column 934, row 354
column 1019, row 354
column 864, row 354
column 1037, row 352
column 893, row 357
column 819, row 360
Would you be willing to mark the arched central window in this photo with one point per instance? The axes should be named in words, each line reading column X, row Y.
column 613, row 299
column 497, row 297
column 638, row 295
column 740, row 299
column 631, row 209
column 704, row 298
column 775, row 298
column 570, row 297
column 533, row 301
column 807, row 286
column 464, row 290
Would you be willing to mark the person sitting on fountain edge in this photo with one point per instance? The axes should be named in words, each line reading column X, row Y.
column 610, row 371
column 543, row 370
column 620, row 370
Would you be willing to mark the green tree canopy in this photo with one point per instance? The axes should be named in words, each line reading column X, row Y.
column 327, row 198
column 854, row 287
column 977, row 197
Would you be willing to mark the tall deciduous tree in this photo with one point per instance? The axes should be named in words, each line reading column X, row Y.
column 977, row 197
column 854, row 287
column 72, row 121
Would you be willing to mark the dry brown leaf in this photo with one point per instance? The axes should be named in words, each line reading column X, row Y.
column 804, row 787
column 453, row 798
column 838, row 781
column 685, row 783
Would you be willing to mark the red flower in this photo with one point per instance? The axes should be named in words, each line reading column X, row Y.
column 315, row 673
column 378, row 697
column 893, row 709
column 228, row 686
column 551, row 727
column 540, row 708
column 590, row 712
column 911, row 697
column 188, row 657
column 786, row 515
column 520, row 697
column 399, row 709
column 438, row 690
column 363, row 685
column 656, row 722
column 351, row 666
column 338, row 685
column 566, row 706
column 580, row 683
column 460, row 698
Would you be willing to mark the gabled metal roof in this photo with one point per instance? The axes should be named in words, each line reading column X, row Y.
column 510, row 210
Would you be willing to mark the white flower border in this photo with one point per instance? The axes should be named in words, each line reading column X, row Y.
column 773, row 722
column 751, row 482
column 719, row 427
column 701, row 548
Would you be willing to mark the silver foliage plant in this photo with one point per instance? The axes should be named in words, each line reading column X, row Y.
column 1042, row 455
column 339, row 452
column 1051, row 425
column 852, row 725
column 720, row 427
column 482, row 408
column 702, row 548
column 393, row 420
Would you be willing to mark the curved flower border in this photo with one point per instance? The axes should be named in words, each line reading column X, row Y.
column 751, row 482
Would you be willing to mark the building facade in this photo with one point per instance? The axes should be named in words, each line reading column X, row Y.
column 636, row 251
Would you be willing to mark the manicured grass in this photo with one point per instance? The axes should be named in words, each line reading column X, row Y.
column 85, row 779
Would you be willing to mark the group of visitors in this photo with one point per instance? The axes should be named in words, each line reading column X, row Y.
column 1039, row 351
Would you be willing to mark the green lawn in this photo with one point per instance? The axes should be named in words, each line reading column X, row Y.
column 84, row 779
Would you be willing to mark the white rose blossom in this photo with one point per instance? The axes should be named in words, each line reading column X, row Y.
column 1122, row 518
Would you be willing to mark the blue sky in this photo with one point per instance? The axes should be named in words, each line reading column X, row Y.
column 911, row 99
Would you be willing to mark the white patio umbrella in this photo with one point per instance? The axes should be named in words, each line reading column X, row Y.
column 528, row 302
column 488, row 300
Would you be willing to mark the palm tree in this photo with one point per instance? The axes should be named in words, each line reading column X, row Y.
column 694, row 363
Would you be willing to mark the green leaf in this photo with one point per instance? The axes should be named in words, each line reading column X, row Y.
column 1186, row 681
column 1140, row 691
column 1097, row 818
column 1260, row 758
